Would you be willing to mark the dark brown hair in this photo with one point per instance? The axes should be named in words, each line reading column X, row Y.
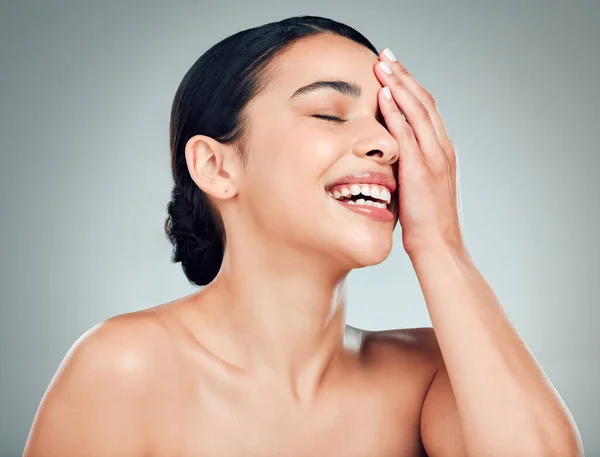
column 210, row 101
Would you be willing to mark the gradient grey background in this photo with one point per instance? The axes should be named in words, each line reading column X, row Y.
column 84, row 176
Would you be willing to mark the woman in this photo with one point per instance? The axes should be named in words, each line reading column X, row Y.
column 295, row 148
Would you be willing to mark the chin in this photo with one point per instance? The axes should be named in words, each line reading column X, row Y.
column 369, row 252
column 372, row 258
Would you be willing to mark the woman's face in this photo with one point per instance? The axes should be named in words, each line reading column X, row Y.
column 293, row 156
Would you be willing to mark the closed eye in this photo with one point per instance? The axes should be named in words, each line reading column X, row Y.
column 329, row 118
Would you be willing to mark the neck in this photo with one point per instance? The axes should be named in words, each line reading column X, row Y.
column 286, row 313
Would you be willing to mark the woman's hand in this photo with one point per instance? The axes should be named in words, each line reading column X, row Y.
column 428, row 210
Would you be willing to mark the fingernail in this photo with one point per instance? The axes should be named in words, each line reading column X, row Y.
column 385, row 67
column 386, row 93
column 389, row 54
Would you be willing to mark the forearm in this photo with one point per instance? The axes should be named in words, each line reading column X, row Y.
column 506, row 403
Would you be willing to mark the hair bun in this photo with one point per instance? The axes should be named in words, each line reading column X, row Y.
column 196, row 238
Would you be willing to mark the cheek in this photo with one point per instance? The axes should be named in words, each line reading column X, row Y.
column 301, row 157
column 327, row 147
column 290, row 162
column 311, row 153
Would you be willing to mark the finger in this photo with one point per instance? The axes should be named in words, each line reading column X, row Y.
column 410, row 152
column 425, row 97
column 417, row 116
column 428, row 100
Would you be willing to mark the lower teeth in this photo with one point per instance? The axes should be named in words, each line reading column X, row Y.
column 362, row 201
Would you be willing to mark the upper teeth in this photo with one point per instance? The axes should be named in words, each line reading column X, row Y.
column 379, row 192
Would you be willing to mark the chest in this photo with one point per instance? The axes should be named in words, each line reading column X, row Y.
column 360, row 426
column 371, row 408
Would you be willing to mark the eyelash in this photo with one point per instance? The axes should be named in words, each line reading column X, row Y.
column 329, row 118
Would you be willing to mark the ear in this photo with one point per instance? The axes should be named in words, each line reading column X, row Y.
column 212, row 166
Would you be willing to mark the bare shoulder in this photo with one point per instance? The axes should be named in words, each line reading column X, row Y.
column 412, row 350
column 419, row 340
column 128, row 346
column 107, row 391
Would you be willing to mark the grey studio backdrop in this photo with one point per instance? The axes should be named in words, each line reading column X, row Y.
column 85, row 102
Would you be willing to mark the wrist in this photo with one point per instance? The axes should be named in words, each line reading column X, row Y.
column 457, row 251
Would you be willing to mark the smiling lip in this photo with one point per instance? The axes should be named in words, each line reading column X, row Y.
column 366, row 177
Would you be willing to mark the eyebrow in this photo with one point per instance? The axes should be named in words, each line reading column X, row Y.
column 344, row 87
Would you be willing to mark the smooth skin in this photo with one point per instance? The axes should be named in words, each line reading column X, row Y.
column 255, row 363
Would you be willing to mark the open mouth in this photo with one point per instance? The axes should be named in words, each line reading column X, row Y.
column 369, row 193
column 362, row 194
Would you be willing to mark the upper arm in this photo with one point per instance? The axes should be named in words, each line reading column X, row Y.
column 440, row 427
column 441, row 431
column 100, row 401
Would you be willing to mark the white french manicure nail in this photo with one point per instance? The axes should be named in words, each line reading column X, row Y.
column 389, row 54
column 385, row 67
column 386, row 93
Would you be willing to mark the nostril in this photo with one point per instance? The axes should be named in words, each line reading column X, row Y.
column 376, row 152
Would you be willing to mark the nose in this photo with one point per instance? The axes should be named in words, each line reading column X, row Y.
column 377, row 144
